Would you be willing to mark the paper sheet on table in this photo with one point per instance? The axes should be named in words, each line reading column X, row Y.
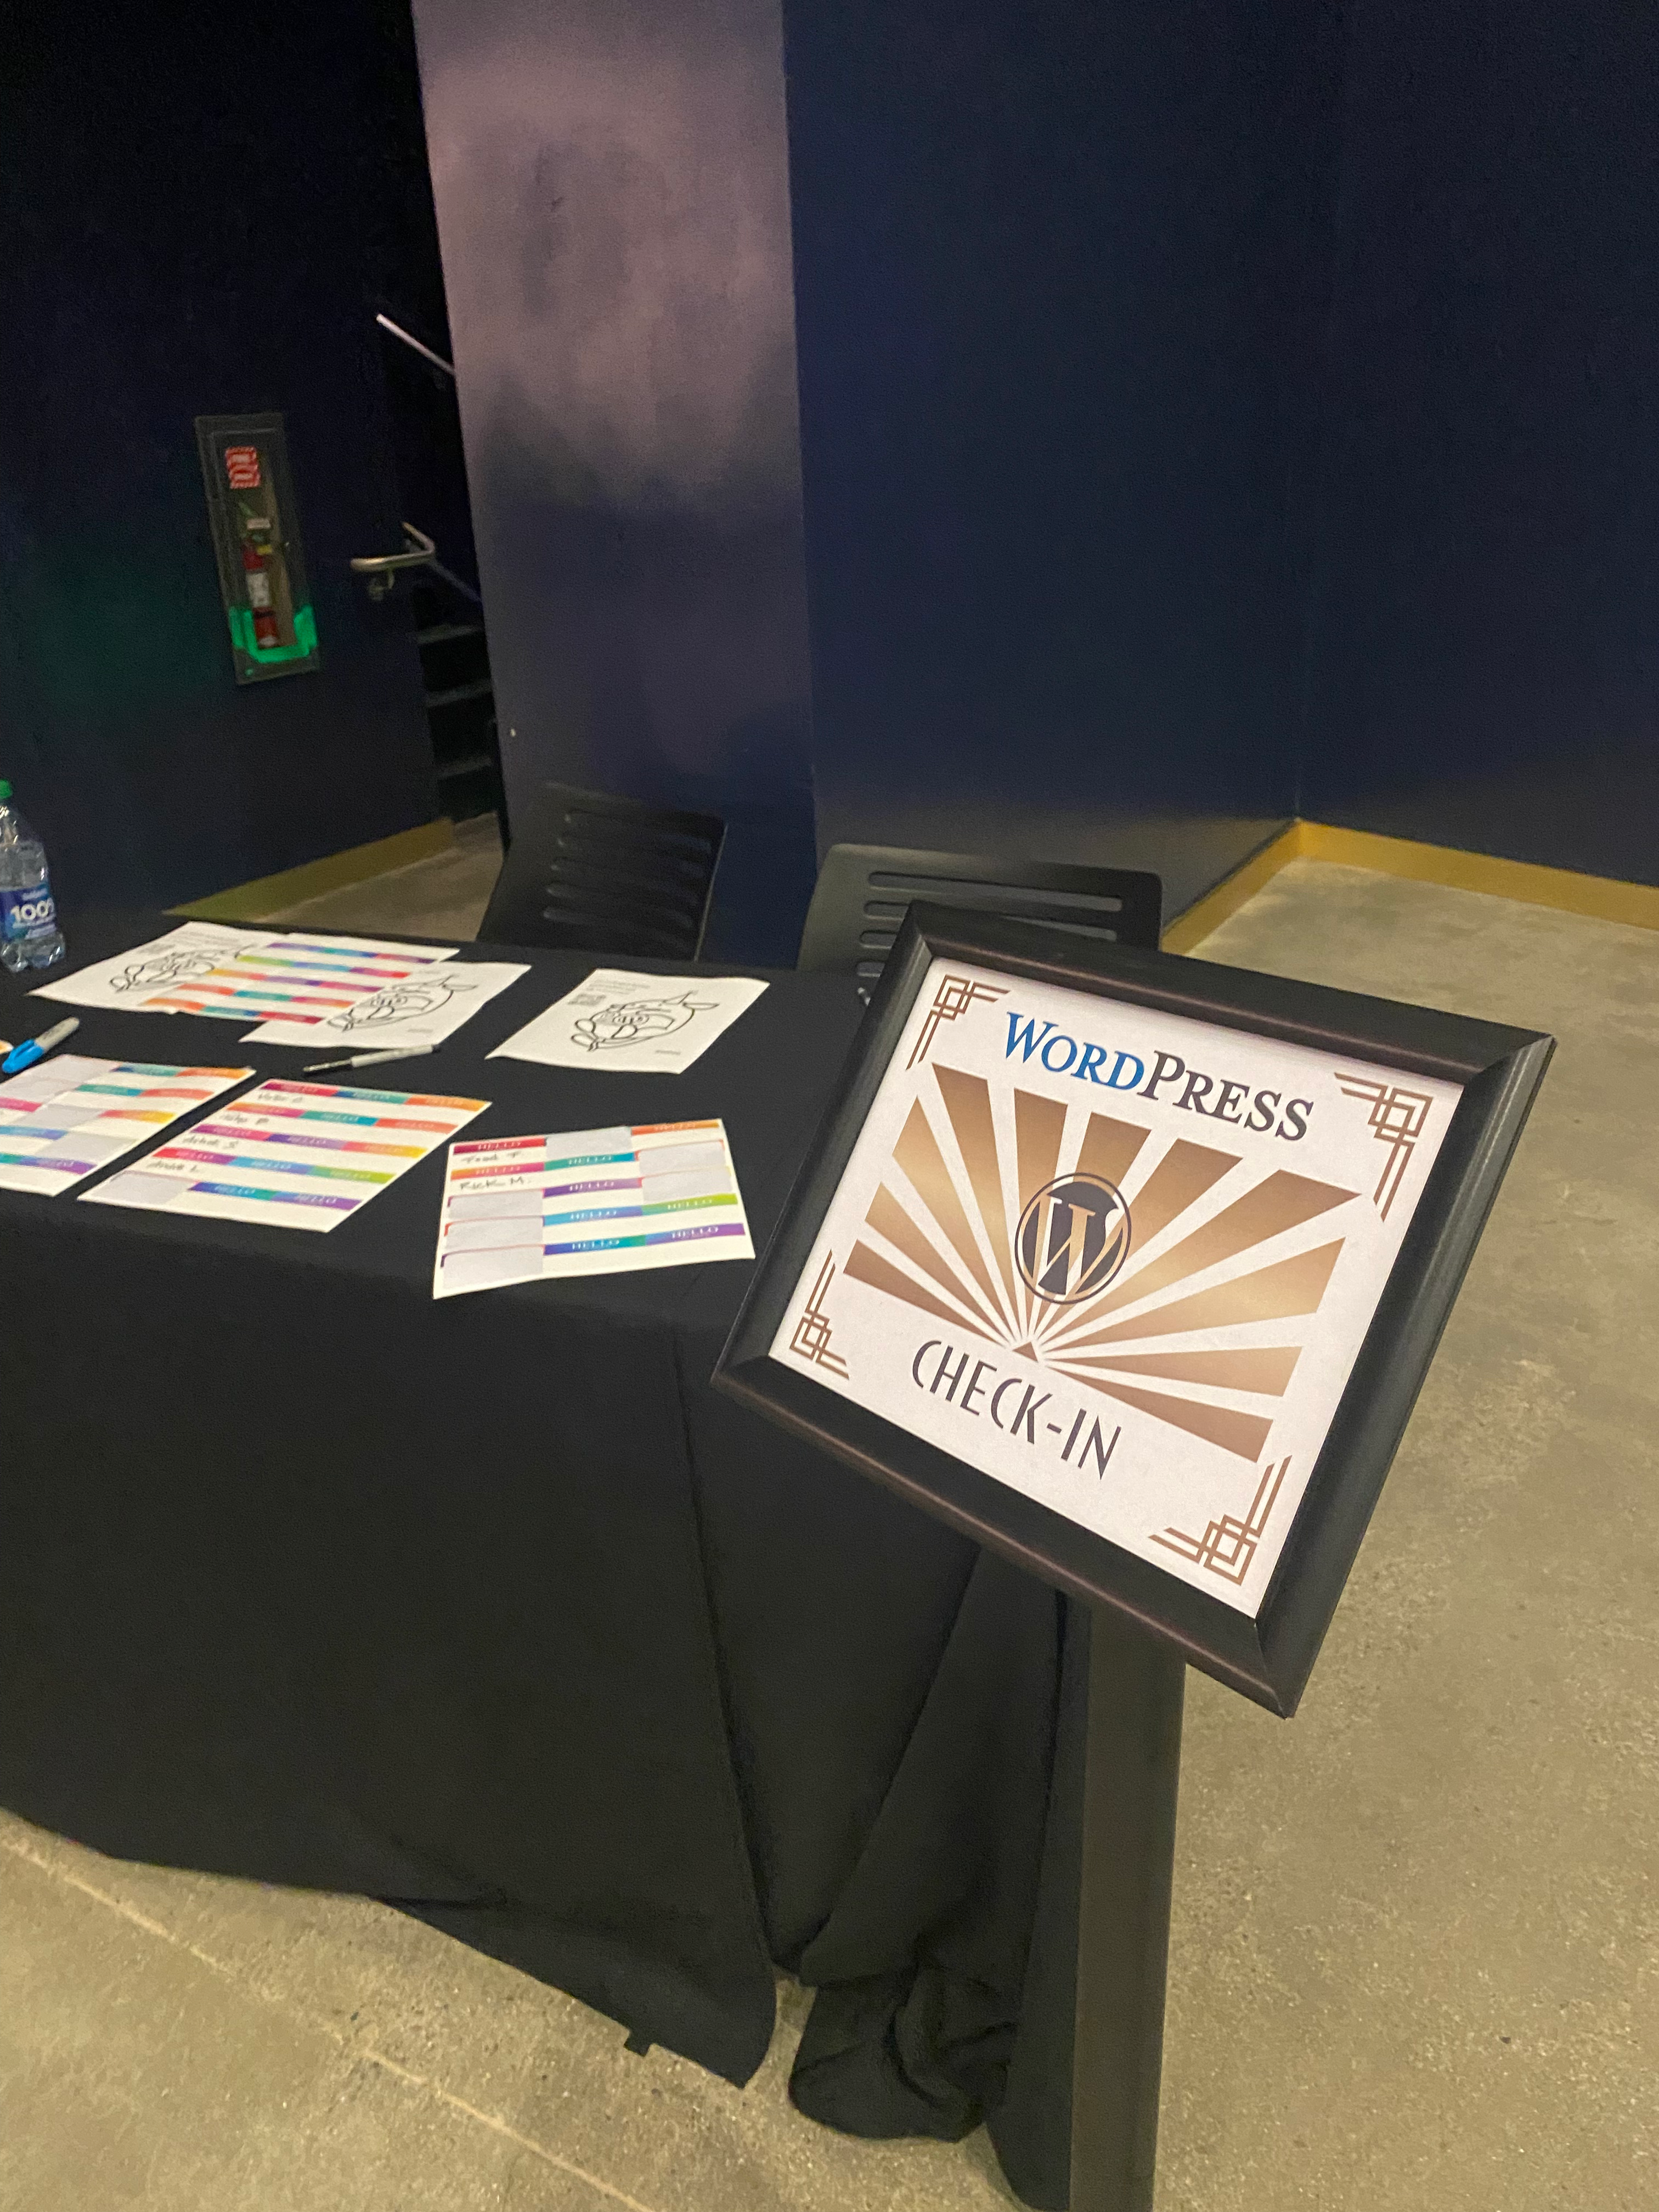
column 419, row 1009
column 300, row 979
column 618, row 1019
column 596, row 1202
column 299, row 1155
column 130, row 978
column 66, row 1117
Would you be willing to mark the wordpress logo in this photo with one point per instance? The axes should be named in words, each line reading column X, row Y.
column 1073, row 1238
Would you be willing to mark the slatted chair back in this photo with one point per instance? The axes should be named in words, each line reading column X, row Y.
column 864, row 891
column 590, row 873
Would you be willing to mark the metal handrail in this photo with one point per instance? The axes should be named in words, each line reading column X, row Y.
column 424, row 351
column 381, row 568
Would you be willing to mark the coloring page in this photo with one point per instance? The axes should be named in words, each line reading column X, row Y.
column 618, row 1019
column 183, row 956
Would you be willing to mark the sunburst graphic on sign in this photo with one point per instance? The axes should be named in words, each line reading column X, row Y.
column 1094, row 1248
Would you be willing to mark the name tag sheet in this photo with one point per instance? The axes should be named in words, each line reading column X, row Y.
column 66, row 1117
column 300, row 1155
column 298, row 981
column 599, row 1201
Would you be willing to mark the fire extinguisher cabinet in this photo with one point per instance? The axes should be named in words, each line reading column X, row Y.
column 256, row 542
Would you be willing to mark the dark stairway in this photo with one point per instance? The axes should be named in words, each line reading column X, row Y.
column 460, row 705
column 405, row 270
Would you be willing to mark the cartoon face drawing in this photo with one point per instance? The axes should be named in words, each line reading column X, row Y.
column 399, row 1002
column 183, row 964
column 638, row 1020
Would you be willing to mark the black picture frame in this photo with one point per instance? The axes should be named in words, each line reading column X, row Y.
column 1268, row 1658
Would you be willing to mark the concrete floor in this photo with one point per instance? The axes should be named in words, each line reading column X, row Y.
column 1415, row 1959
column 443, row 898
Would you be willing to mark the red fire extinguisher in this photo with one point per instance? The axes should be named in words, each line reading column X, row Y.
column 259, row 598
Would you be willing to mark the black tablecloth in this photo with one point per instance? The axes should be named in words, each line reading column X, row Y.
column 493, row 1608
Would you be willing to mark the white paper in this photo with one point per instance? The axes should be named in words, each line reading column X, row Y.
column 620, row 1020
column 418, row 1009
column 298, row 985
column 130, row 978
column 589, row 1202
column 298, row 1155
column 67, row 1117
column 298, row 977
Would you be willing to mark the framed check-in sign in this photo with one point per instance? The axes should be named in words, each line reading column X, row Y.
column 1131, row 1267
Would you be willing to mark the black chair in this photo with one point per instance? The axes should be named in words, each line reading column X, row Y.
column 587, row 873
column 863, row 893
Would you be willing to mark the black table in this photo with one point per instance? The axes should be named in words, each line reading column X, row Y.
column 492, row 1609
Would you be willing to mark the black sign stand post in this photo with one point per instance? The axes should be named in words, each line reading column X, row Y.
column 1131, row 1768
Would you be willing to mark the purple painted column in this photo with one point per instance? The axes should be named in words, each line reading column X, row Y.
column 611, row 184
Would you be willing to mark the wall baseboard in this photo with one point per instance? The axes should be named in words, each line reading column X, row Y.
column 1600, row 897
column 254, row 901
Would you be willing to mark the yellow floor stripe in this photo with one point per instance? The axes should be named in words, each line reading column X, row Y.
column 1602, row 898
column 266, row 894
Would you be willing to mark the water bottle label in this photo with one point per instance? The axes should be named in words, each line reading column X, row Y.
column 24, row 914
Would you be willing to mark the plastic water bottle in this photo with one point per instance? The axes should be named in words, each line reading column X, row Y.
column 29, row 935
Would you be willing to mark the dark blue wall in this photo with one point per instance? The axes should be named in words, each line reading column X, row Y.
column 611, row 185
column 1061, row 275
column 1485, row 632
column 176, row 203
column 1208, row 412
column 1058, row 285
column 1212, row 411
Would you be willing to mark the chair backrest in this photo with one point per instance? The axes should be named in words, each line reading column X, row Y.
column 592, row 874
column 864, row 891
